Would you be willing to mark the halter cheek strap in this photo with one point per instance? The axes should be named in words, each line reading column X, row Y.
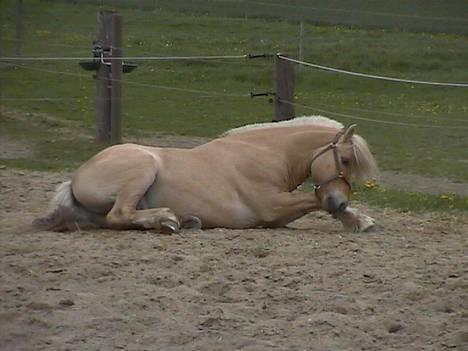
column 338, row 165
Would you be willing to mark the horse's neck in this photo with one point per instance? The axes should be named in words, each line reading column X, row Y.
column 296, row 144
column 300, row 149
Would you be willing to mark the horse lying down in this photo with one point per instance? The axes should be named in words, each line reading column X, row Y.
column 247, row 178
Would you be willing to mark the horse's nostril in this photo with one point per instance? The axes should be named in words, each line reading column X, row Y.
column 342, row 206
column 335, row 204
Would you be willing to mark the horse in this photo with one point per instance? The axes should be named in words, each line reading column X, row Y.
column 249, row 177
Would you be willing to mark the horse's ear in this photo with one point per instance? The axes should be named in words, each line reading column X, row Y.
column 347, row 135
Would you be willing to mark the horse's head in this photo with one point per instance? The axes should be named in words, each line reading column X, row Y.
column 335, row 163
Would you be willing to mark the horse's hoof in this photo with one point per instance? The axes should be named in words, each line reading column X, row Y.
column 190, row 222
column 169, row 227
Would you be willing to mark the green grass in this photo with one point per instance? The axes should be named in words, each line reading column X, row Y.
column 52, row 145
column 415, row 15
column 410, row 201
column 431, row 151
column 375, row 195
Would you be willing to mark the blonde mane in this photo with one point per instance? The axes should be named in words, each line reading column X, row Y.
column 364, row 166
column 299, row 121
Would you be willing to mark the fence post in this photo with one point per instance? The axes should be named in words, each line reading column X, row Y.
column 116, row 82
column 102, row 80
column 283, row 85
column 19, row 28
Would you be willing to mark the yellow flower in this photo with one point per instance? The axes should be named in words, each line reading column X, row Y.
column 448, row 197
column 371, row 184
column 42, row 33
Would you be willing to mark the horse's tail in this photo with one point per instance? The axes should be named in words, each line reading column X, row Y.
column 65, row 213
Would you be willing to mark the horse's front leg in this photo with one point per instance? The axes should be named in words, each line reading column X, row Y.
column 355, row 221
column 286, row 207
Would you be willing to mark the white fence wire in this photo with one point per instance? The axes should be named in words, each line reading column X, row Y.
column 372, row 76
column 14, row 61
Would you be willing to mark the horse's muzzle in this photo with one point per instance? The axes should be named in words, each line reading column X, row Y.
column 335, row 204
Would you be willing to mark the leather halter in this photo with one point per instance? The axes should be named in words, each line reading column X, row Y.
column 338, row 164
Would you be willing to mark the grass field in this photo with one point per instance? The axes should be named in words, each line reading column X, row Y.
column 435, row 147
column 432, row 16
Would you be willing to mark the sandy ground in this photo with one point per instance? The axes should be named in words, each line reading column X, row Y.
column 308, row 287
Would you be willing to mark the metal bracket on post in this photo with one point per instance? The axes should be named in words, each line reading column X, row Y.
column 101, row 57
column 266, row 93
column 254, row 56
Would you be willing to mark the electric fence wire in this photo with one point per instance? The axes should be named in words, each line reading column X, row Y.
column 219, row 57
column 49, row 99
column 156, row 86
column 128, row 58
column 393, row 114
column 372, row 76
column 75, row 56
column 225, row 94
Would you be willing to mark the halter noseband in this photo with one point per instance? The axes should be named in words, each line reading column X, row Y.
column 338, row 164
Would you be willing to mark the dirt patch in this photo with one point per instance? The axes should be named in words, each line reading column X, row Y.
column 308, row 287
column 418, row 183
column 11, row 149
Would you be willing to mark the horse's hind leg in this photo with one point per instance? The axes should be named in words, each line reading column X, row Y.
column 124, row 213
column 157, row 218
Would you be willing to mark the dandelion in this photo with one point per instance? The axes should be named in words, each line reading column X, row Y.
column 371, row 184
column 448, row 197
column 42, row 33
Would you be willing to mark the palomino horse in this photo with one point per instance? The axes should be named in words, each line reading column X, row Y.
column 247, row 178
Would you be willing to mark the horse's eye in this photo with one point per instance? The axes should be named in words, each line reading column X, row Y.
column 345, row 161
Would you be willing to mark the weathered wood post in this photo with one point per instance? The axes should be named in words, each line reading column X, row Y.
column 108, row 64
column 103, row 83
column 116, row 82
column 19, row 28
column 283, row 85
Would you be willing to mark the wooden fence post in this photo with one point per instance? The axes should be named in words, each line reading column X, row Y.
column 116, row 82
column 283, row 85
column 103, row 82
column 107, row 51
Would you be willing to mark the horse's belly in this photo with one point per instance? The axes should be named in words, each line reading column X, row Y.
column 215, row 209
